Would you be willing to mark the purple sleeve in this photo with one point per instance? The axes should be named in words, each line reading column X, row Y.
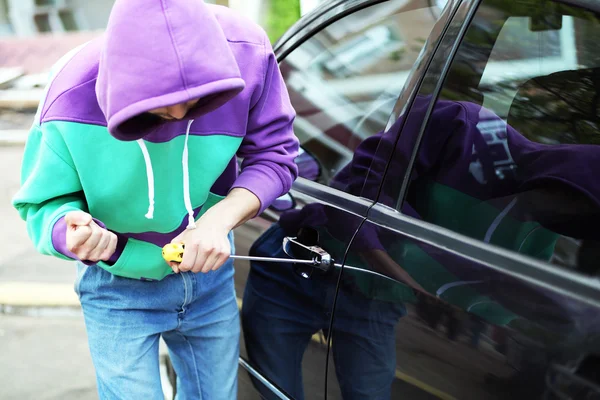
column 270, row 146
column 59, row 241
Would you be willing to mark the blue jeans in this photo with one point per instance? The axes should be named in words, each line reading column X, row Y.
column 281, row 311
column 196, row 314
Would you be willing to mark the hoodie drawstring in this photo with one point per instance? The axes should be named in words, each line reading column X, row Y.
column 186, row 179
column 150, row 176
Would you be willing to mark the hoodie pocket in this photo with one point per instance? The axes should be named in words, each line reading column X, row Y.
column 139, row 260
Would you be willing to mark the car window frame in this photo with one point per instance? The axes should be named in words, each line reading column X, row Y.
column 325, row 17
column 525, row 268
column 317, row 192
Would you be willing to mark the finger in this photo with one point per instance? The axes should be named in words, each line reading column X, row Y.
column 96, row 253
column 189, row 257
column 222, row 260
column 78, row 218
column 85, row 250
column 209, row 261
column 104, row 245
column 223, row 255
column 76, row 238
column 174, row 266
column 219, row 256
column 110, row 248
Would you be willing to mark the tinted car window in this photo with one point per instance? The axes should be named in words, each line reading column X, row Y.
column 510, row 152
column 343, row 83
column 344, row 80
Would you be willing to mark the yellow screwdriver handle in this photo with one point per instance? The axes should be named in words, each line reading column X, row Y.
column 173, row 252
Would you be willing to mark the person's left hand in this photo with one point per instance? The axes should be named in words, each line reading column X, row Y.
column 206, row 247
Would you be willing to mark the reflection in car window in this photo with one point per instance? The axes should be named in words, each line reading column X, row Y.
column 344, row 81
column 510, row 153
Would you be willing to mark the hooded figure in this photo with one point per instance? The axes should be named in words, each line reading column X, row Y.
column 134, row 143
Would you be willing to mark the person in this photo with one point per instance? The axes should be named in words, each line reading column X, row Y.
column 134, row 147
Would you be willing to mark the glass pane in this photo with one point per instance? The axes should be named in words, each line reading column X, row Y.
column 511, row 151
column 344, row 80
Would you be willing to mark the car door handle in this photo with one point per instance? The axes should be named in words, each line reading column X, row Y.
column 308, row 254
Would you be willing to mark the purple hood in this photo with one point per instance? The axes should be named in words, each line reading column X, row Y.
column 187, row 57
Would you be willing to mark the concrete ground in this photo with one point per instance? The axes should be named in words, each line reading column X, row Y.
column 45, row 358
column 43, row 345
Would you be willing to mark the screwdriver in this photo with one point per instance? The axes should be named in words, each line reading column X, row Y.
column 173, row 252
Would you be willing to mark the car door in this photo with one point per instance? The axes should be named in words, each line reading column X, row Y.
column 484, row 236
column 344, row 73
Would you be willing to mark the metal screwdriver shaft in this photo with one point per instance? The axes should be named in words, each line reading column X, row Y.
column 272, row 259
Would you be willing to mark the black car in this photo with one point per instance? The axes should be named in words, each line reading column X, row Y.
column 447, row 210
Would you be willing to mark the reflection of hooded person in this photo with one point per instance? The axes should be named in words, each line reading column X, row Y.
column 476, row 175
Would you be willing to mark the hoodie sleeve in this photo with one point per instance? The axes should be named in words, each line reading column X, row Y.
column 270, row 146
column 50, row 188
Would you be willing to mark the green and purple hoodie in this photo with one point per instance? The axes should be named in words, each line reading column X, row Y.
column 93, row 146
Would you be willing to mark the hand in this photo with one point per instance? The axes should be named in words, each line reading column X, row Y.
column 206, row 248
column 87, row 240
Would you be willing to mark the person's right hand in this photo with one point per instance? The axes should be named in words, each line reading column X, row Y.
column 87, row 240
